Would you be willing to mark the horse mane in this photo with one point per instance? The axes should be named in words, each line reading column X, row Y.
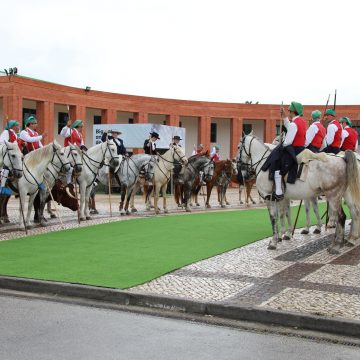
column 35, row 157
column 195, row 156
column 261, row 141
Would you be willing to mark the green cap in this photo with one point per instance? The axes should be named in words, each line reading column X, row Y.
column 330, row 112
column 296, row 107
column 30, row 120
column 347, row 120
column 217, row 147
column 10, row 124
column 76, row 124
column 316, row 114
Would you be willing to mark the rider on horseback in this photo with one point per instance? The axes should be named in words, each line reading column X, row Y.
column 315, row 134
column 349, row 135
column 333, row 134
column 282, row 159
column 178, row 173
column 30, row 136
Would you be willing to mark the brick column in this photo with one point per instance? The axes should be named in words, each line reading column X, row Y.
column 78, row 112
column 235, row 135
column 173, row 120
column 270, row 130
column 204, row 125
column 141, row 118
column 46, row 121
column 108, row 116
column 12, row 109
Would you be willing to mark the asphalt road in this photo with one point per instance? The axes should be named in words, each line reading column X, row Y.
column 33, row 329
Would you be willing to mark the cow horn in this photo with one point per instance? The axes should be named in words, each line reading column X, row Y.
column 69, row 193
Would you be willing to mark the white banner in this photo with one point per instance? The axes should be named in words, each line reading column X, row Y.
column 134, row 135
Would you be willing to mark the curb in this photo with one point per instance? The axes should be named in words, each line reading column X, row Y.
column 255, row 314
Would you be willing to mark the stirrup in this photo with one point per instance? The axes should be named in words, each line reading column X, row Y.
column 274, row 197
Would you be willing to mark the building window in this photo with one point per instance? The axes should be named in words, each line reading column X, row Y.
column 213, row 132
column 277, row 130
column 131, row 121
column 27, row 113
column 62, row 120
column 247, row 129
column 164, row 122
column 180, row 124
column 97, row 119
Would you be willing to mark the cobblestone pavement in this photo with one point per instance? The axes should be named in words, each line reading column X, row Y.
column 299, row 276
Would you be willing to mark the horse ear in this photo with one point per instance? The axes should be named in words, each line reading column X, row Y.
column 251, row 133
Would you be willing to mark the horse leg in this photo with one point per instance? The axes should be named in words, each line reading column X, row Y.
column 273, row 212
column 163, row 191
column 281, row 212
column 128, row 197
column 335, row 206
column 314, row 203
column 249, row 186
column 208, row 194
column 48, row 208
column 240, row 194
column 5, row 214
column 223, row 194
column 42, row 195
column 82, row 201
column 306, row 230
column 156, row 198
column 288, row 234
column 87, row 197
column 355, row 223
column 122, row 199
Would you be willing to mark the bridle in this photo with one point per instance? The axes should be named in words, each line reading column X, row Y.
column 7, row 152
column 181, row 157
column 253, row 166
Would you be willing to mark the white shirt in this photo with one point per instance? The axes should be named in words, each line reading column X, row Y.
column 330, row 133
column 292, row 129
column 5, row 135
column 311, row 132
column 65, row 132
column 24, row 135
column 344, row 135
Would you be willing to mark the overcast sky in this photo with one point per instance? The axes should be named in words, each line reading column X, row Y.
column 228, row 50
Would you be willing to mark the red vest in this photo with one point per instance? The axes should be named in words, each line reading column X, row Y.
column 12, row 136
column 215, row 157
column 75, row 138
column 350, row 141
column 300, row 136
column 32, row 145
column 319, row 137
column 337, row 138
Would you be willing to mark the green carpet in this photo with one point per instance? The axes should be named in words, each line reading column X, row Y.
column 127, row 253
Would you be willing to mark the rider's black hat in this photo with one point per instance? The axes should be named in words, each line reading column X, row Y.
column 155, row 134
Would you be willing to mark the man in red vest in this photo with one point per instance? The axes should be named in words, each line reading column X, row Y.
column 73, row 134
column 215, row 154
column 30, row 135
column 293, row 145
column 349, row 135
column 334, row 133
column 315, row 134
column 9, row 134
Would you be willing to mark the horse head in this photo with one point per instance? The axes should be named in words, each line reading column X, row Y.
column 149, row 168
column 59, row 159
column 74, row 155
column 111, row 156
column 12, row 158
column 179, row 154
column 209, row 169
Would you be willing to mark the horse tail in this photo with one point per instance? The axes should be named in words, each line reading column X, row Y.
column 353, row 176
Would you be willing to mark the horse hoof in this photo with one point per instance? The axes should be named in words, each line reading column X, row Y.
column 208, row 206
column 128, row 212
column 197, row 204
column 227, row 203
column 333, row 251
column 317, row 231
column 6, row 220
column 88, row 218
column 188, row 210
column 52, row 216
column 349, row 244
column 223, row 206
column 133, row 210
column 82, row 219
column 286, row 237
column 271, row 247
column 304, row 232
column 166, row 211
column 253, row 202
column 148, row 208
column 241, row 202
column 122, row 213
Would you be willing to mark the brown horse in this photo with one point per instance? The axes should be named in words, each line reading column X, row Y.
column 223, row 173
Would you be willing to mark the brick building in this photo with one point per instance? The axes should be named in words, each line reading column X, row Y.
column 209, row 123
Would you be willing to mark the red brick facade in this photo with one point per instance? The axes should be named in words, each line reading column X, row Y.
column 14, row 89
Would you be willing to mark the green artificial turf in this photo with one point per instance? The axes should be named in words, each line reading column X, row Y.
column 127, row 253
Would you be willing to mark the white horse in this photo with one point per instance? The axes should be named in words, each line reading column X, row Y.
column 128, row 175
column 93, row 160
column 73, row 155
column 34, row 166
column 162, row 175
column 331, row 177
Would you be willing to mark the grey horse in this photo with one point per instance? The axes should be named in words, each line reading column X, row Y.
column 128, row 174
column 197, row 164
